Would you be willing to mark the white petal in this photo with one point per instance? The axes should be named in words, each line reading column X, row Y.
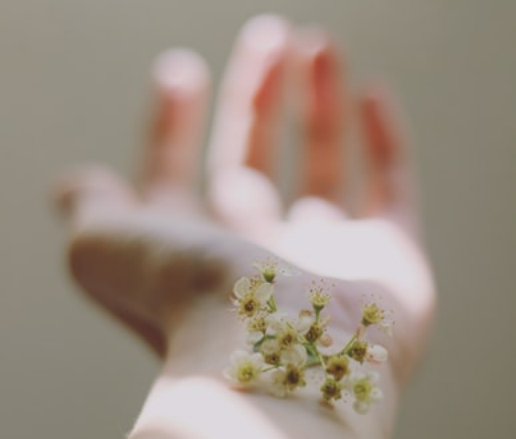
column 276, row 386
column 264, row 292
column 295, row 355
column 276, row 321
column 269, row 346
column 303, row 324
column 357, row 375
column 257, row 360
column 239, row 357
column 387, row 328
column 230, row 374
column 373, row 377
column 242, row 287
column 254, row 337
column 278, row 390
column 376, row 395
column 376, row 354
column 361, row 407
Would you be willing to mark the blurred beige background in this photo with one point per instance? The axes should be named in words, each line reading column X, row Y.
column 74, row 88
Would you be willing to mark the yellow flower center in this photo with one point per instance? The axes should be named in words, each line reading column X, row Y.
column 331, row 389
column 358, row 351
column 248, row 306
column 362, row 389
column 246, row 373
column 273, row 358
column 371, row 314
column 338, row 367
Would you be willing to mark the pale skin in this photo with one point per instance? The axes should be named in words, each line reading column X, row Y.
column 162, row 258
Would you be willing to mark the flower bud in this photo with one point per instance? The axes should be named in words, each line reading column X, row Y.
column 376, row 354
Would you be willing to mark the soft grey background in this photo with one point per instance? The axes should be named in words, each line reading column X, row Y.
column 74, row 88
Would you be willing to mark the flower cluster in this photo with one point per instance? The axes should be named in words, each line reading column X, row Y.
column 281, row 347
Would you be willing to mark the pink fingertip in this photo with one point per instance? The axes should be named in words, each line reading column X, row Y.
column 266, row 33
column 180, row 69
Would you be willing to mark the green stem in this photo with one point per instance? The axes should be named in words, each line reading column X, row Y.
column 272, row 304
column 348, row 346
column 321, row 359
column 314, row 357
column 313, row 362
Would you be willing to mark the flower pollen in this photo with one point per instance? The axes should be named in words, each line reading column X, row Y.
column 331, row 390
column 358, row 351
column 338, row 366
column 372, row 314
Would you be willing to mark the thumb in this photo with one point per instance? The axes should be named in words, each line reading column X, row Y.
column 89, row 191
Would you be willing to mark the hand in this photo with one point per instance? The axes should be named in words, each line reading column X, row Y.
column 149, row 254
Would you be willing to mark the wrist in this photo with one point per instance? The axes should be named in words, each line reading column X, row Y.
column 201, row 337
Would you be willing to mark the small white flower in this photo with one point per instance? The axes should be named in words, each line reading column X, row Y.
column 287, row 336
column 364, row 388
column 267, row 269
column 245, row 368
column 319, row 298
column 251, row 295
column 372, row 314
column 376, row 354
column 262, row 291
column 270, row 269
column 285, row 380
column 278, row 323
column 315, row 331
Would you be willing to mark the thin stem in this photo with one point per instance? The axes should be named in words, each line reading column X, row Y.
column 321, row 359
column 272, row 304
column 314, row 356
column 349, row 345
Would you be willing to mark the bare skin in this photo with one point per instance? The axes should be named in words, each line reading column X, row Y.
column 162, row 259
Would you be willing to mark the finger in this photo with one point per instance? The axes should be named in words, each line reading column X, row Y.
column 251, row 96
column 89, row 192
column 242, row 152
column 315, row 208
column 181, row 80
column 390, row 189
column 322, row 116
column 245, row 201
